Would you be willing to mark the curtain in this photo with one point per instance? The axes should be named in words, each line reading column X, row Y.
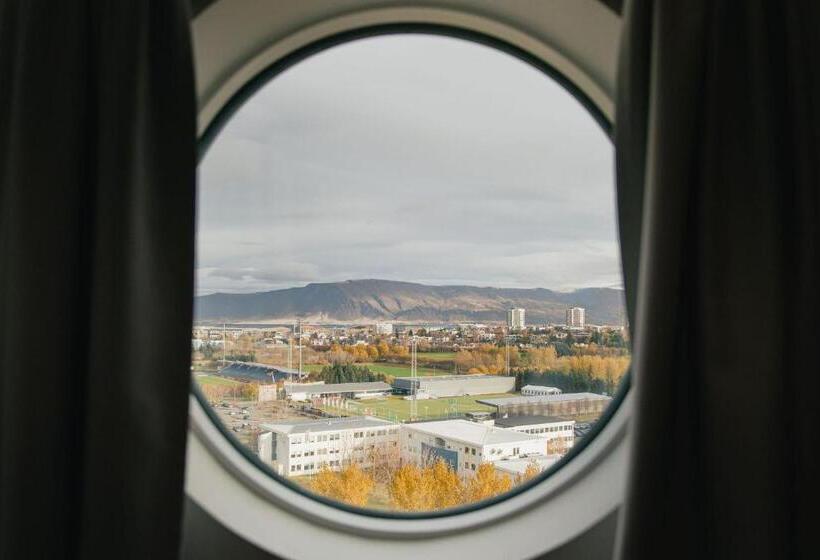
column 718, row 122
column 97, row 182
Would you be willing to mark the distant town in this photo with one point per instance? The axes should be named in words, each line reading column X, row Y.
column 378, row 414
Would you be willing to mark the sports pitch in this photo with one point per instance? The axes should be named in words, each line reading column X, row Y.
column 397, row 409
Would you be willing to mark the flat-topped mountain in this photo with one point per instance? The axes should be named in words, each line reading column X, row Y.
column 368, row 300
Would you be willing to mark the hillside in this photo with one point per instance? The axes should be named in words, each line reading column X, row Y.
column 367, row 300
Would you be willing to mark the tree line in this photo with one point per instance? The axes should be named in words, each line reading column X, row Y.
column 414, row 488
column 348, row 373
column 589, row 362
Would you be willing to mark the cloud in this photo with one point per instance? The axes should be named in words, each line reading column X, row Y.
column 413, row 158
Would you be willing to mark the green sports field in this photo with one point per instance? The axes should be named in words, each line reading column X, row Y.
column 436, row 356
column 398, row 409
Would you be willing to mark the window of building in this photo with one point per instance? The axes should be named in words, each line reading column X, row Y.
column 399, row 159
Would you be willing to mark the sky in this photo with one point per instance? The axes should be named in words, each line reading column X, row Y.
column 408, row 157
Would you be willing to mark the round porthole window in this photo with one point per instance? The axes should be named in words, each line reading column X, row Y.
column 409, row 293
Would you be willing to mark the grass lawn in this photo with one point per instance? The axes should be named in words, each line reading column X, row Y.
column 397, row 409
column 437, row 356
column 215, row 380
column 402, row 370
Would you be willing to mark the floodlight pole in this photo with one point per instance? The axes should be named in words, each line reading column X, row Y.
column 290, row 347
column 507, row 350
column 413, row 378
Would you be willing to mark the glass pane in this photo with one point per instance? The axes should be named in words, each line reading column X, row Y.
column 408, row 277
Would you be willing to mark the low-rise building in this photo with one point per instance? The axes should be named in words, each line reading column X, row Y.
column 566, row 404
column 364, row 390
column 559, row 432
column 533, row 390
column 464, row 445
column 305, row 446
column 438, row 386
column 517, row 467
column 383, row 328
column 262, row 373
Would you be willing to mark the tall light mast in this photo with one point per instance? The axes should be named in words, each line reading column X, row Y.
column 414, row 378
column 300, row 350
column 290, row 346
column 507, row 350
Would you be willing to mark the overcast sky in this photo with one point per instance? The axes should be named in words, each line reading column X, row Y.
column 414, row 158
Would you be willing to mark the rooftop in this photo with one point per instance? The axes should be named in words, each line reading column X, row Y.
column 515, row 421
column 534, row 399
column 540, row 388
column 337, row 388
column 257, row 371
column 468, row 376
column 326, row 425
column 519, row 466
column 471, row 433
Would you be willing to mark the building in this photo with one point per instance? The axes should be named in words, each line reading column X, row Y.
column 559, row 432
column 533, row 390
column 267, row 393
column 517, row 467
column 454, row 385
column 383, row 329
column 464, row 445
column 576, row 317
column 566, row 404
column 363, row 390
column 305, row 446
column 515, row 318
column 262, row 373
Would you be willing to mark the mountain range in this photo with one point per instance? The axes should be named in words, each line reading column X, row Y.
column 388, row 300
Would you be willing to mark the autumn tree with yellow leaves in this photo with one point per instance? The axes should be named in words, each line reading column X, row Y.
column 486, row 483
column 438, row 486
column 531, row 472
column 433, row 487
column 409, row 490
column 351, row 485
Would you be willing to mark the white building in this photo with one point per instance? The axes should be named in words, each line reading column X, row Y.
column 305, row 446
column 515, row 318
column 383, row 328
column 518, row 467
column 465, row 445
column 532, row 390
column 559, row 432
column 363, row 390
column 566, row 404
column 441, row 386
column 576, row 317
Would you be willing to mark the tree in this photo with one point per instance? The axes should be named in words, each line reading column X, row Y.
column 486, row 483
column 351, row 485
column 531, row 472
column 445, row 485
column 433, row 487
column 557, row 446
column 409, row 490
column 348, row 373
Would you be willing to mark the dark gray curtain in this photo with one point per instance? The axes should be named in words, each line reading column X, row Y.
column 718, row 118
column 97, row 167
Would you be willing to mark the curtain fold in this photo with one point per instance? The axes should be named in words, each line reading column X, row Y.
column 97, row 185
column 718, row 113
